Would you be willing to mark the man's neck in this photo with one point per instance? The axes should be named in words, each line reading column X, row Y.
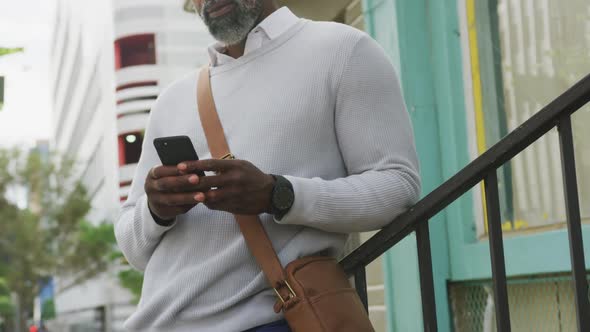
column 237, row 50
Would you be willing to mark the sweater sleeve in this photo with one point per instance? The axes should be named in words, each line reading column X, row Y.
column 136, row 231
column 376, row 140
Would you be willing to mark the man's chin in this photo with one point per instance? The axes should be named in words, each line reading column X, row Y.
column 230, row 28
column 227, row 36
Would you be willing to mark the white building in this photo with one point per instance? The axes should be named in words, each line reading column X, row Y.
column 84, row 127
column 109, row 63
column 155, row 43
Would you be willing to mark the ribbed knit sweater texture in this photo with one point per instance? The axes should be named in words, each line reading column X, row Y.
column 321, row 105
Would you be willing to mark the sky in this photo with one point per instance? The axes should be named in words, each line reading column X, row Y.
column 25, row 117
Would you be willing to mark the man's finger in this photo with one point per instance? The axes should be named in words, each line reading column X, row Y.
column 188, row 183
column 213, row 181
column 163, row 171
column 176, row 210
column 181, row 183
column 175, row 200
column 213, row 165
column 217, row 199
column 216, row 196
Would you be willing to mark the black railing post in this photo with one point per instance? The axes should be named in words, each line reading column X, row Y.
column 360, row 282
column 497, row 252
column 574, row 226
column 426, row 278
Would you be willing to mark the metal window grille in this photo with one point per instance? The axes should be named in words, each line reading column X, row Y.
column 539, row 304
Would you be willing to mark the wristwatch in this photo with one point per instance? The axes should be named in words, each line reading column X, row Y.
column 282, row 197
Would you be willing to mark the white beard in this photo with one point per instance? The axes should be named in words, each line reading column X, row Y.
column 233, row 27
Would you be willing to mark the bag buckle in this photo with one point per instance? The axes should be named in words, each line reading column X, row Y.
column 291, row 295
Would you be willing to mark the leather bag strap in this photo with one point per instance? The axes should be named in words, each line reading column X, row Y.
column 256, row 238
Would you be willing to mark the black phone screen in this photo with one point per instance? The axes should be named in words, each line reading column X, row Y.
column 173, row 150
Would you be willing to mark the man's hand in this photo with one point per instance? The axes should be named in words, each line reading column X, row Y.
column 170, row 192
column 240, row 187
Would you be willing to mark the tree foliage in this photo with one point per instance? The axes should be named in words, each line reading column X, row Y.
column 6, row 51
column 4, row 290
column 6, row 307
column 43, row 230
column 133, row 281
column 129, row 278
column 48, row 310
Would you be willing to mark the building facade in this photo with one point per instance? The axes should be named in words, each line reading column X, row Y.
column 110, row 61
column 472, row 71
column 1, row 92
column 84, row 128
column 155, row 43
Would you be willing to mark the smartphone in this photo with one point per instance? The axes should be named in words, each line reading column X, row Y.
column 173, row 150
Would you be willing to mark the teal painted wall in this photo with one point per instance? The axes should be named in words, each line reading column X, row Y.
column 380, row 23
column 422, row 39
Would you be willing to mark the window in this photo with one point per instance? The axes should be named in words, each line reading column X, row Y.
column 135, row 50
column 130, row 148
column 525, row 54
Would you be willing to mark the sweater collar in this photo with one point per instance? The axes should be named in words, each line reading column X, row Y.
column 270, row 28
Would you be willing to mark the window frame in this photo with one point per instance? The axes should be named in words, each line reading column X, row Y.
column 125, row 51
column 537, row 250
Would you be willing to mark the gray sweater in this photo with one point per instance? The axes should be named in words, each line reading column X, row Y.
column 320, row 104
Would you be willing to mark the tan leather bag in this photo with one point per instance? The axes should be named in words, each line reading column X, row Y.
column 313, row 292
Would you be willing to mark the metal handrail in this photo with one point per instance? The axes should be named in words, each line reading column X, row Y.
column 557, row 113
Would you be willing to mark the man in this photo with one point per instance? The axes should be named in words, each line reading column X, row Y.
column 314, row 114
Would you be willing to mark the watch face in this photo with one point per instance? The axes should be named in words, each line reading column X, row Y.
column 283, row 198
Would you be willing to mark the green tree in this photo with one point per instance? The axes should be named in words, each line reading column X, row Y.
column 46, row 233
column 132, row 280
column 48, row 310
column 6, row 307
column 4, row 290
column 129, row 278
column 6, row 51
